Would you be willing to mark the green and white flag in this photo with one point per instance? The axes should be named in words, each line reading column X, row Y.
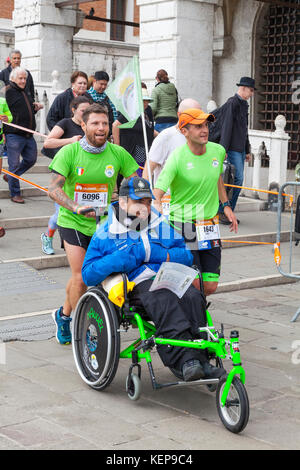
column 126, row 93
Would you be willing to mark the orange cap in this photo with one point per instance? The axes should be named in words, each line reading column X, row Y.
column 194, row 116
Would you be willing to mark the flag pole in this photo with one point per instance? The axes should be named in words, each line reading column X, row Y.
column 146, row 148
column 125, row 89
column 144, row 126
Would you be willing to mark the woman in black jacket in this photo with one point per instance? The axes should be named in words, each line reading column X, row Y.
column 60, row 107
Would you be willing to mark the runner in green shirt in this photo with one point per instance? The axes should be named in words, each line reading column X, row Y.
column 84, row 175
column 193, row 182
column 89, row 180
column 193, row 174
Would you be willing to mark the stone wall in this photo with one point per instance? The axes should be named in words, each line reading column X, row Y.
column 89, row 56
column 7, row 40
column 238, row 59
column 177, row 35
column 54, row 39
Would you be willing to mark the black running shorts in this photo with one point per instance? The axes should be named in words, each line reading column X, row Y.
column 73, row 237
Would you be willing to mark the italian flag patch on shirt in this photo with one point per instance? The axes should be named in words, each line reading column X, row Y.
column 79, row 171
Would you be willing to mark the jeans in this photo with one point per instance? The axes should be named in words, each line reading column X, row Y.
column 52, row 224
column 17, row 145
column 238, row 160
column 160, row 126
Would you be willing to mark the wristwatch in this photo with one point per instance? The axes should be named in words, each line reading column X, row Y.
column 224, row 204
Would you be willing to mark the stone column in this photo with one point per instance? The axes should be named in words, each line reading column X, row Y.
column 279, row 152
column 177, row 35
column 44, row 35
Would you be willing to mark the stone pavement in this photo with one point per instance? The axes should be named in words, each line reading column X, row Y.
column 45, row 404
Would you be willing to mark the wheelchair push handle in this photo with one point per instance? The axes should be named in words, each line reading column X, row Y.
column 126, row 299
column 124, row 277
column 99, row 212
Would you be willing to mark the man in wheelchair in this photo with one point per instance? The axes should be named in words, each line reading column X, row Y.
column 136, row 239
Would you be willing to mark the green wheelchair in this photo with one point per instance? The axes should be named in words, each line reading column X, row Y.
column 97, row 324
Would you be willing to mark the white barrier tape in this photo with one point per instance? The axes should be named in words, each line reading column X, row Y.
column 24, row 129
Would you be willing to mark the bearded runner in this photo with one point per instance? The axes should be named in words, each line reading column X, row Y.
column 84, row 175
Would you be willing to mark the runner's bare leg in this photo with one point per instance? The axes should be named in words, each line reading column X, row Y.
column 75, row 287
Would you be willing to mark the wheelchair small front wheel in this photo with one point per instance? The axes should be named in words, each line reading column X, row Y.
column 133, row 386
column 235, row 413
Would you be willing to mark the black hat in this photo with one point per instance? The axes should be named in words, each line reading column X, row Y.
column 101, row 75
column 136, row 188
column 247, row 81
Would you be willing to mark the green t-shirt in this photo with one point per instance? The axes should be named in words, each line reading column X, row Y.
column 4, row 109
column 89, row 177
column 192, row 180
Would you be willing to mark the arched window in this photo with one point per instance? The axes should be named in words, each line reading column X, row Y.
column 279, row 70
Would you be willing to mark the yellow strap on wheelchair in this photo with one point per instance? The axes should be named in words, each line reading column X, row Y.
column 116, row 293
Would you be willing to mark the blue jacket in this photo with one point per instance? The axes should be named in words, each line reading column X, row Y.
column 115, row 248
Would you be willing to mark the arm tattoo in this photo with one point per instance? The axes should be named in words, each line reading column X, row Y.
column 58, row 195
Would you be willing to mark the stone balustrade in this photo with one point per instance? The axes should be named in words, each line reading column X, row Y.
column 45, row 94
column 276, row 146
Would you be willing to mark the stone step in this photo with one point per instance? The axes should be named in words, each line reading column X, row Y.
column 25, row 222
column 38, row 206
column 245, row 267
column 38, row 168
column 247, row 204
column 25, row 192
column 45, row 263
column 42, row 262
column 25, row 242
column 29, row 238
column 42, row 221
column 41, row 160
column 256, row 282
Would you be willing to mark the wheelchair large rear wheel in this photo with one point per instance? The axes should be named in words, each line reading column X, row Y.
column 96, row 339
column 235, row 414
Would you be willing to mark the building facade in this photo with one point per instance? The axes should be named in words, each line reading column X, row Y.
column 62, row 39
column 208, row 45
column 205, row 45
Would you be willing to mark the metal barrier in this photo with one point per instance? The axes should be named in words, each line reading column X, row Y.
column 277, row 246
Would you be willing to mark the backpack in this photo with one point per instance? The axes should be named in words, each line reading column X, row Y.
column 228, row 177
column 215, row 127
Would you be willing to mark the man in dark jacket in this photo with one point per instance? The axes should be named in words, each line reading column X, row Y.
column 19, row 142
column 15, row 61
column 234, row 134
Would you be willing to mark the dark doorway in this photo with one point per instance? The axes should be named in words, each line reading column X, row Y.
column 279, row 70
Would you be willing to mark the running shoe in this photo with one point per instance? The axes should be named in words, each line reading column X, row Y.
column 47, row 246
column 63, row 331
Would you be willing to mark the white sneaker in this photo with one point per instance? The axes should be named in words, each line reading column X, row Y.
column 47, row 247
